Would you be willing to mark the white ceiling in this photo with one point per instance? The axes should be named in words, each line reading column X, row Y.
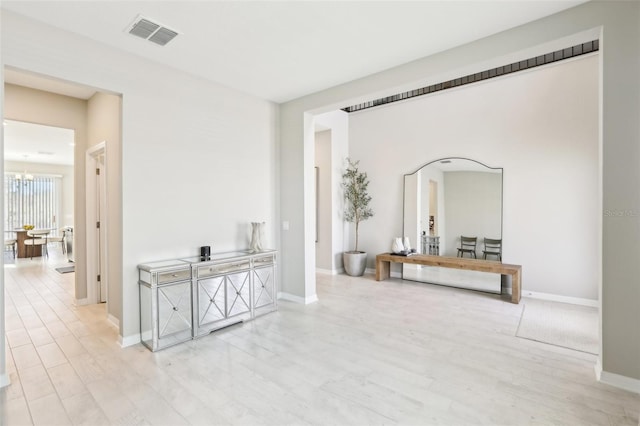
column 48, row 84
column 275, row 50
column 281, row 50
column 36, row 143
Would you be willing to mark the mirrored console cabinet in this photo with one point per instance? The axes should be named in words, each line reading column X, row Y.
column 184, row 299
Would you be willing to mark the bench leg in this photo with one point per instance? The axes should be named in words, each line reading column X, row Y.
column 516, row 287
column 383, row 270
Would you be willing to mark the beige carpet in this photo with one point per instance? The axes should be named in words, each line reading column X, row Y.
column 561, row 324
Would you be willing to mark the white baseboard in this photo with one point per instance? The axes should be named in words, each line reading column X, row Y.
column 297, row 299
column 616, row 380
column 113, row 320
column 558, row 298
column 82, row 302
column 329, row 271
column 4, row 380
column 129, row 340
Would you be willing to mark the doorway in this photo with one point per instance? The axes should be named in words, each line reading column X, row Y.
column 38, row 189
column 433, row 207
column 95, row 115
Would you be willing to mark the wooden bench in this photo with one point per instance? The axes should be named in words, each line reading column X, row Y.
column 383, row 267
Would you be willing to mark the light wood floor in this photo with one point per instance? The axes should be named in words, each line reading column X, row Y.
column 367, row 353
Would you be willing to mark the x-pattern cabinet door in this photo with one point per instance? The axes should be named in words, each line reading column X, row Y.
column 238, row 293
column 263, row 286
column 174, row 308
column 211, row 300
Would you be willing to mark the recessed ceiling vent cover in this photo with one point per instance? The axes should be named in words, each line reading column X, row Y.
column 152, row 31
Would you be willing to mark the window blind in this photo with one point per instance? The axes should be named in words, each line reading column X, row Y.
column 31, row 200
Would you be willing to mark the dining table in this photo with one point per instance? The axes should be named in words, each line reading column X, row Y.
column 21, row 251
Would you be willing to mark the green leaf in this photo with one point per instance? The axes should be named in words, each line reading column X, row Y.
column 355, row 184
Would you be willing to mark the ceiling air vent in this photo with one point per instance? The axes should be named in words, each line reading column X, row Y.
column 152, row 31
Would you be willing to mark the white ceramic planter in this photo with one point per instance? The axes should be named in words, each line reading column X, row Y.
column 355, row 262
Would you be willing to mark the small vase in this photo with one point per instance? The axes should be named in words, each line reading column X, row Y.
column 257, row 234
column 397, row 246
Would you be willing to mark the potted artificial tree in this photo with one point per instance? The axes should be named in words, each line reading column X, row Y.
column 355, row 183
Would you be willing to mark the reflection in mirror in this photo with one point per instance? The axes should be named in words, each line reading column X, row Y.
column 444, row 201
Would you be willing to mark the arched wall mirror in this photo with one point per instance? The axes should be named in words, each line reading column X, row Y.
column 445, row 200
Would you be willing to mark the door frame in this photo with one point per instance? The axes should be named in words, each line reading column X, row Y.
column 91, row 203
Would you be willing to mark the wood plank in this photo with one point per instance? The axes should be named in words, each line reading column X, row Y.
column 367, row 353
column 383, row 267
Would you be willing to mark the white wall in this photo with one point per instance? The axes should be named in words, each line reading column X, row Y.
column 324, row 243
column 198, row 160
column 541, row 126
column 413, row 204
column 66, row 173
column 338, row 122
column 104, row 114
column 615, row 24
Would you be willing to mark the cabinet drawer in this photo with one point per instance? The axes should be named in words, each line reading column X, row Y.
column 171, row 276
column 264, row 261
column 223, row 268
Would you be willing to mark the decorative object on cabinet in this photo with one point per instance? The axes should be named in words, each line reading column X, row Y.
column 406, row 244
column 205, row 252
column 397, row 246
column 402, row 247
column 257, row 237
column 183, row 299
column 355, row 183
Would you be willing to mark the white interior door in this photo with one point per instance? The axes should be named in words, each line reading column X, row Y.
column 96, row 203
column 100, row 228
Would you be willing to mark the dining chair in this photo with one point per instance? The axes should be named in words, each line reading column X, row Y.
column 467, row 245
column 37, row 237
column 58, row 239
column 11, row 243
column 492, row 247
